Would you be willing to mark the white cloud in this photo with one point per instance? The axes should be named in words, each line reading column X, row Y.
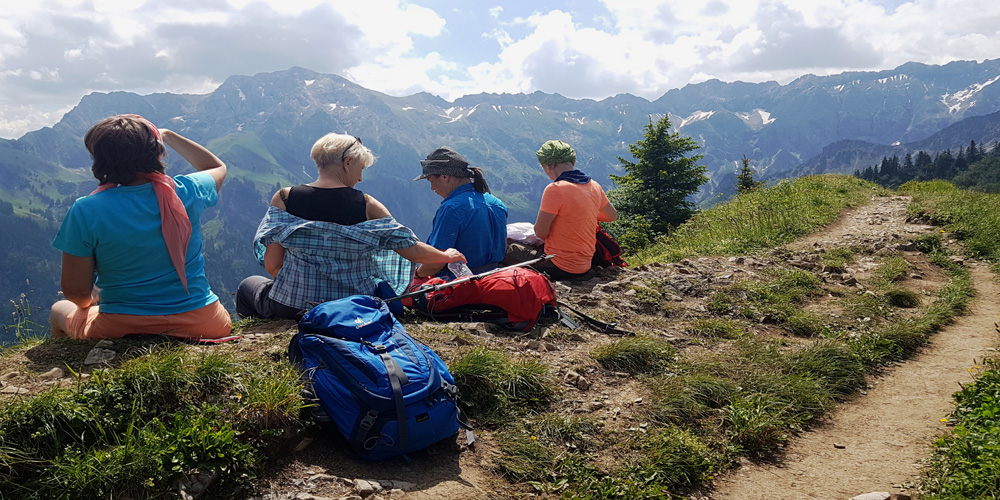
column 52, row 52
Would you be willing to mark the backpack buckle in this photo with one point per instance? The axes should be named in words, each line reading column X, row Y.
column 450, row 389
column 368, row 420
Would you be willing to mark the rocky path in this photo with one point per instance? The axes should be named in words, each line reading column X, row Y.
column 876, row 442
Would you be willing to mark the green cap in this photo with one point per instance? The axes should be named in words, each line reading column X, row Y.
column 553, row 152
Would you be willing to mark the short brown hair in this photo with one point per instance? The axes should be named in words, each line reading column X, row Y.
column 123, row 147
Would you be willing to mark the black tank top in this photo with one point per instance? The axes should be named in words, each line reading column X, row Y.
column 343, row 205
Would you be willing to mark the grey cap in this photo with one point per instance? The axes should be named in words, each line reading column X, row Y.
column 444, row 161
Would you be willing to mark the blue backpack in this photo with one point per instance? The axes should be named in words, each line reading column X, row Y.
column 387, row 393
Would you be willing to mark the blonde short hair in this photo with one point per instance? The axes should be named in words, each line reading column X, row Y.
column 332, row 149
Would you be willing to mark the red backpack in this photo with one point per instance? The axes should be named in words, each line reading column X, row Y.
column 514, row 298
column 607, row 251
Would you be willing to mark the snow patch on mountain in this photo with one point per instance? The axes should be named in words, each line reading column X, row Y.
column 966, row 98
column 756, row 119
column 697, row 116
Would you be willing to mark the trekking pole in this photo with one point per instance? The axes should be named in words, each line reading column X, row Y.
column 425, row 289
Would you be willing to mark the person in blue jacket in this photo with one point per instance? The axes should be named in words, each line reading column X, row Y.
column 470, row 219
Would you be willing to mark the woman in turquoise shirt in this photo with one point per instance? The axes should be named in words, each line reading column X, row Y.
column 140, row 233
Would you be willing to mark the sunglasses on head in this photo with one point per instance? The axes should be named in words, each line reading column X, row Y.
column 343, row 156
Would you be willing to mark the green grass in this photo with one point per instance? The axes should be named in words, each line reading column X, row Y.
column 890, row 270
column 761, row 219
column 496, row 389
column 634, row 355
column 134, row 430
column 836, row 260
column 966, row 464
column 23, row 326
column 969, row 216
column 776, row 300
column 130, row 432
column 900, row 297
column 715, row 328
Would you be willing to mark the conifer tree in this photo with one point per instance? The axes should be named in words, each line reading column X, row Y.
column 744, row 179
column 657, row 185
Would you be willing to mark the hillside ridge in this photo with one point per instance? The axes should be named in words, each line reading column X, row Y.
column 670, row 301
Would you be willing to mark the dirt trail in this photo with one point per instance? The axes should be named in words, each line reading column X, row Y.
column 877, row 441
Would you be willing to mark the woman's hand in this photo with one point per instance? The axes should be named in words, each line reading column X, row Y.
column 197, row 155
column 422, row 253
column 455, row 255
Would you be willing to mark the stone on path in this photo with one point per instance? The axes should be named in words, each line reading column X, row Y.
column 98, row 356
column 877, row 495
column 53, row 374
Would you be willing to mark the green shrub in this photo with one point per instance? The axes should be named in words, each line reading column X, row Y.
column 687, row 399
column 524, row 457
column 929, row 243
column 908, row 335
column 872, row 349
column 890, row 270
column 720, row 303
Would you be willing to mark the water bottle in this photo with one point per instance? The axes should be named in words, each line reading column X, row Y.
column 459, row 269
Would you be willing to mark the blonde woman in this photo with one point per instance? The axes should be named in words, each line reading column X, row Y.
column 327, row 240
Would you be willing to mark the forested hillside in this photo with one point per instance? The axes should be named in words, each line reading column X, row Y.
column 976, row 167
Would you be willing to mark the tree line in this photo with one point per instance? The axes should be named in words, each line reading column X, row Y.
column 976, row 167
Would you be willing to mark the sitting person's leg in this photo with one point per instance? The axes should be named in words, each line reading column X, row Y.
column 518, row 252
column 209, row 322
column 252, row 300
column 59, row 318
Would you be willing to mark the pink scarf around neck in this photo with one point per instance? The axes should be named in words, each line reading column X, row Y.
column 173, row 216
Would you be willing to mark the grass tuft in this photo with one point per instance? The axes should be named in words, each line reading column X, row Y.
column 641, row 354
column 495, row 388
column 715, row 328
column 901, row 297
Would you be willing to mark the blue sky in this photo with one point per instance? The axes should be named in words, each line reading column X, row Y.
column 53, row 52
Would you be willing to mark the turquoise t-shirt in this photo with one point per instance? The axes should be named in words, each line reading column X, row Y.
column 120, row 228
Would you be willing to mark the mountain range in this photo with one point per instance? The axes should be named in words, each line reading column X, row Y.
column 263, row 126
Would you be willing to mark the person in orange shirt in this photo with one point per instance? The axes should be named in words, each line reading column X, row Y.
column 571, row 207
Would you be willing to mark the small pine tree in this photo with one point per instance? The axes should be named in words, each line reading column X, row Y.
column 656, row 187
column 744, row 179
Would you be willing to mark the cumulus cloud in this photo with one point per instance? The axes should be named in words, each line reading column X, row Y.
column 53, row 52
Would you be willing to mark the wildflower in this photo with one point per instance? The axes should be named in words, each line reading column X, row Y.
column 944, row 420
column 533, row 438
